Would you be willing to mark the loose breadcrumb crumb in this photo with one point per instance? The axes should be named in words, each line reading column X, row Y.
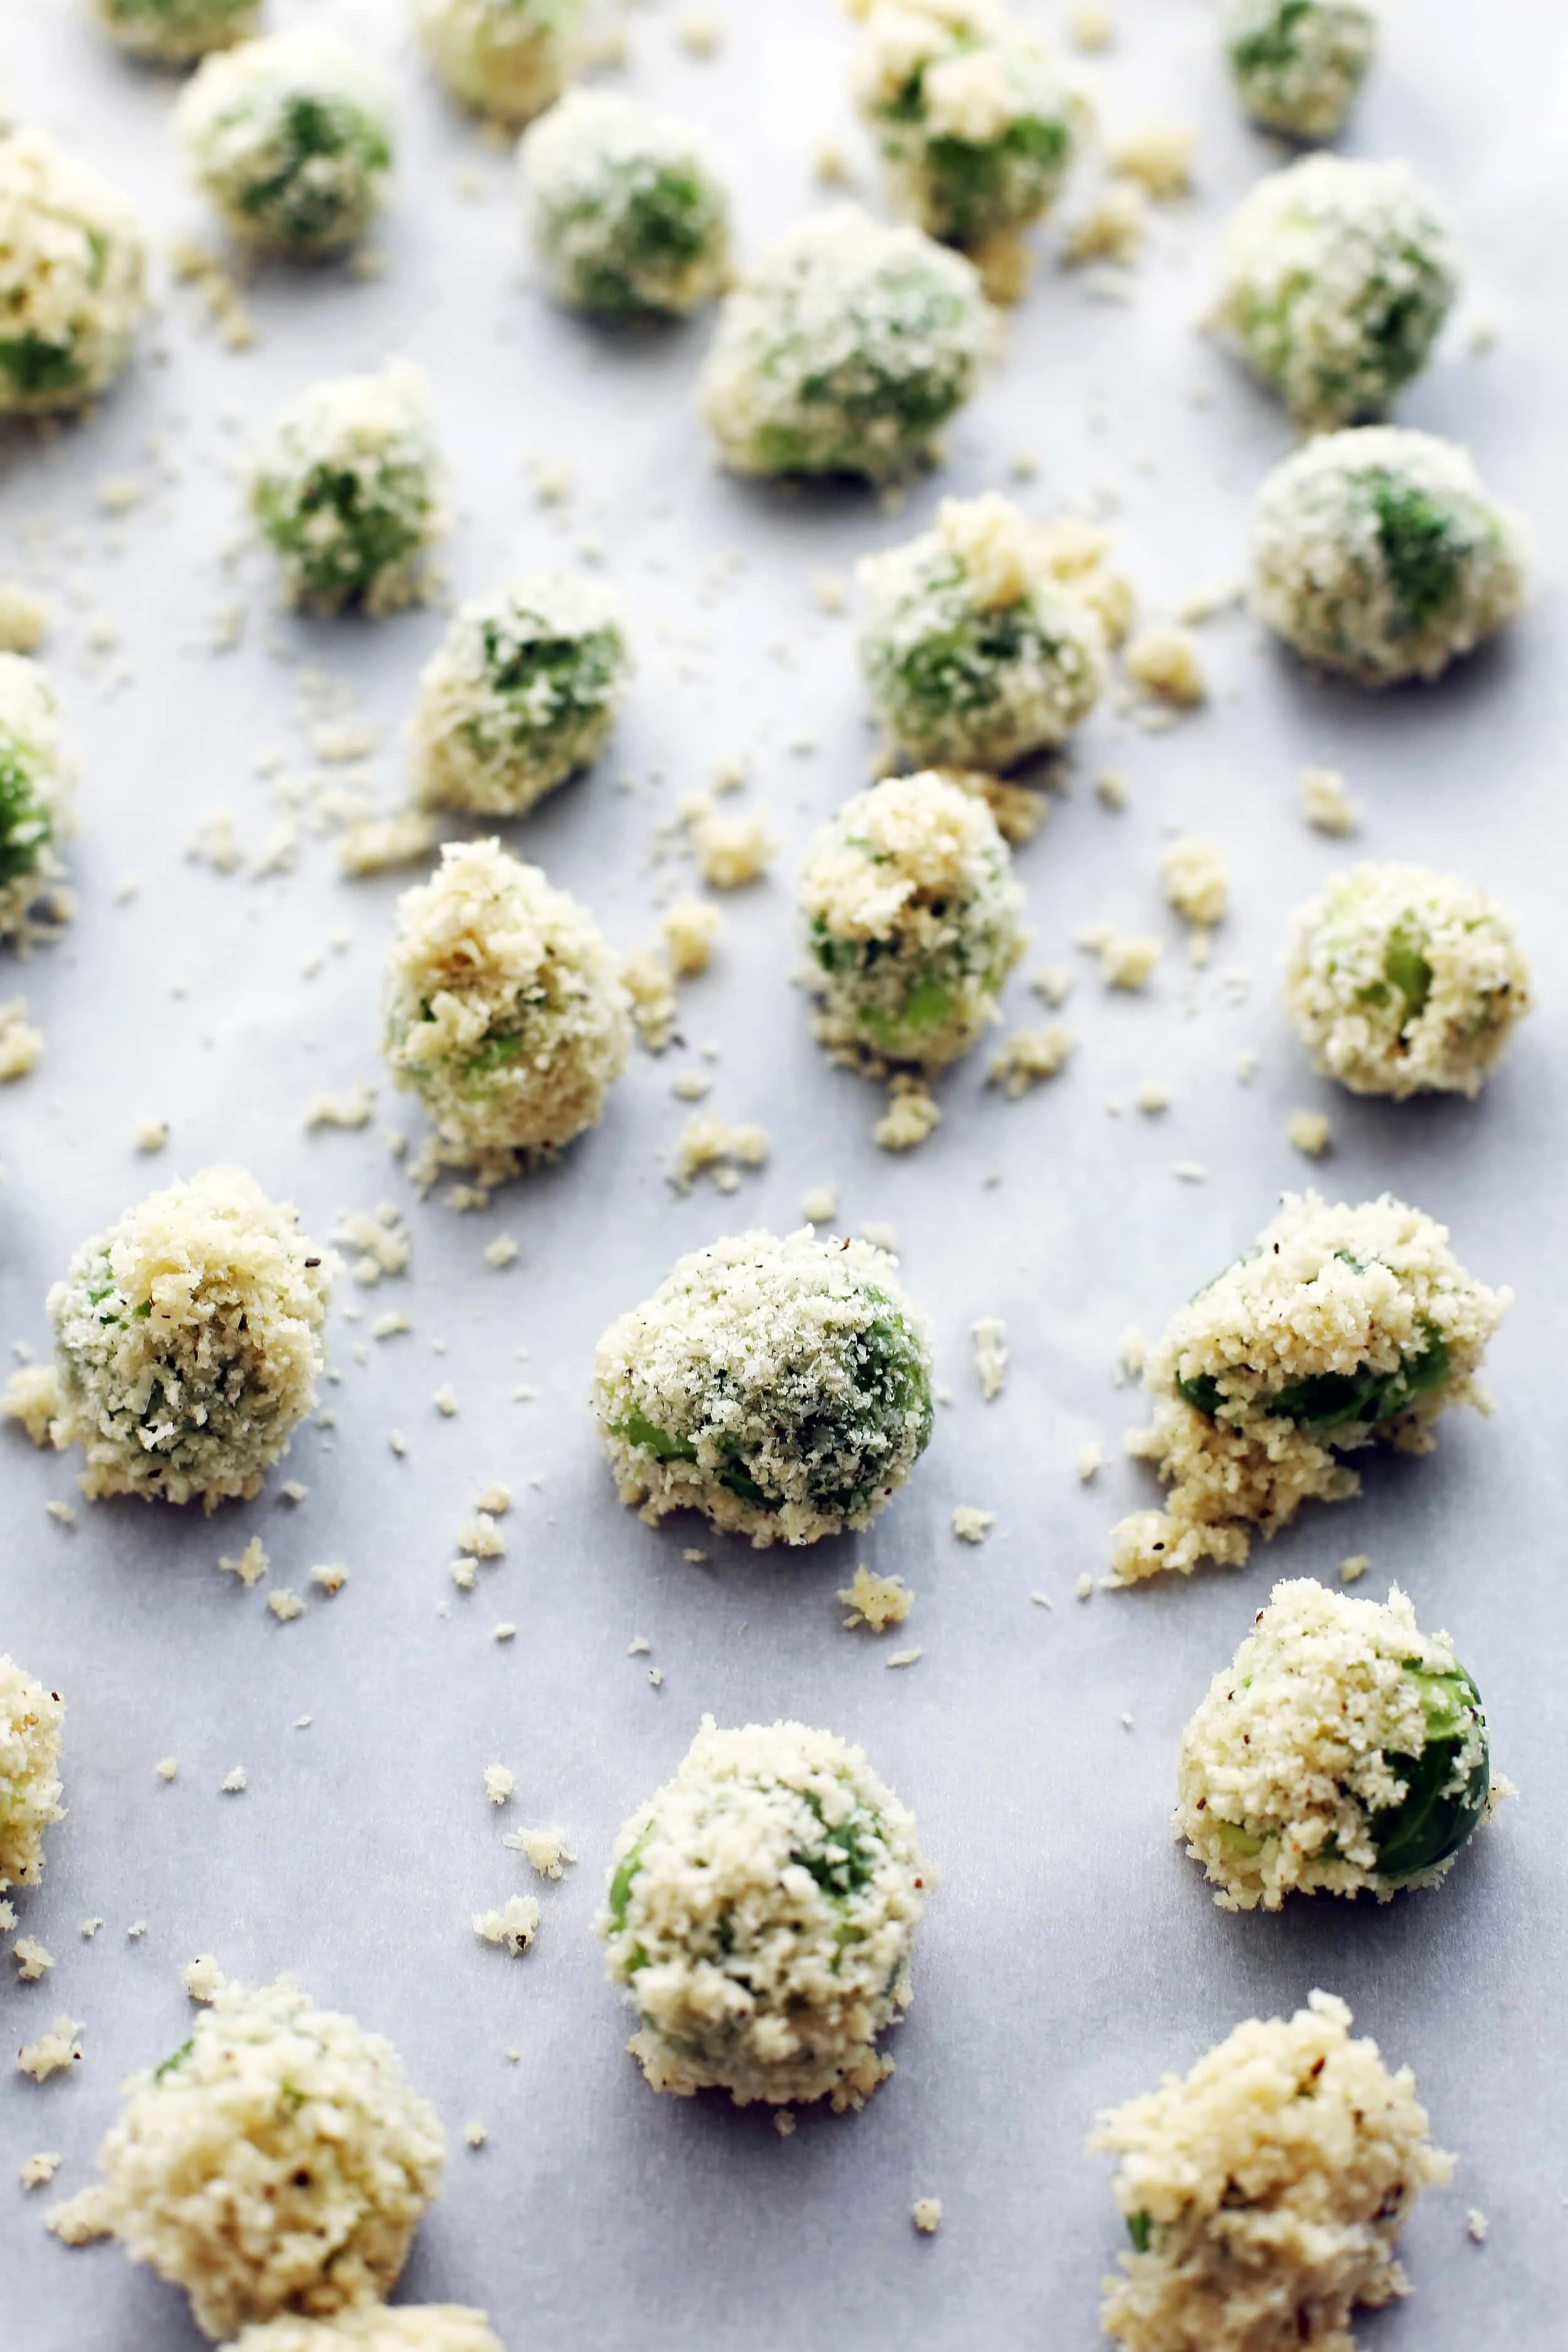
column 249, row 1566
column 167, row 1767
column 81, row 2220
column 446, row 1399
column 381, row 1239
column 150, row 1134
column 1090, row 1460
column 1158, row 156
column 203, row 1978
column 545, row 1851
column 1152, row 1097
column 377, row 844
column 1477, row 2225
column 38, row 2171
column 514, row 1924
column 1326, row 805
column 20, row 1042
column 1355, row 1566
column 731, row 851
column 1029, row 1057
column 1162, row 661
column 234, row 1783
column 912, row 1114
column 877, row 1601
column 904, row 1658
column 990, row 1355
column 690, row 927
column 1091, row 27
column 1127, row 960
column 1308, row 1131
column 33, row 1962
column 348, row 1110
column 500, row 1784
column 1112, row 229
column 970, row 1525
column 330, row 1576
column 927, row 2215
column 53, row 2053
column 1196, row 880
column 820, row 1205
column 705, row 1146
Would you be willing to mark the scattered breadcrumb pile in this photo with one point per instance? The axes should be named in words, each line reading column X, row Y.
column 30, row 1720
column 760, row 1911
column 1265, row 2191
column 1341, row 1328
column 1341, row 1737
column 277, row 2162
column 189, row 1341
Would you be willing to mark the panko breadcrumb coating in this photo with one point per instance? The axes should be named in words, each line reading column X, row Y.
column 1402, row 981
column 1335, row 277
column 761, row 1912
column 910, row 923
column 377, row 2328
column 1298, row 64
column 502, row 1010
column 189, row 1341
column 175, row 32
column 30, row 1719
column 278, row 2161
column 348, row 488
column 520, row 694
column 72, row 260
column 1342, row 1750
column 1378, row 553
column 625, row 210
column 976, row 126
column 783, row 1388
column 508, row 59
column 1341, row 1328
column 290, row 140
column 845, row 348
column 35, row 798
column 1265, row 2191
column 976, row 650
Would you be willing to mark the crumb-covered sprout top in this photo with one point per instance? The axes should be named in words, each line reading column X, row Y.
column 278, row 2160
column 1403, row 982
column 189, row 1341
column 509, row 58
column 1378, row 553
column 173, row 32
column 34, row 807
column 520, row 694
column 1340, row 1328
column 1264, row 2190
column 72, row 257
column 760, row 1911
column 626, row 208
column 912, row 922
column 976, row 126
column 377, row 2328
column 978, row 648
column 844, row 349
column 1335, row 277
column 30, row 1719
column 781, row 1387
column 1298, row 64
column 291, row 140
column 349, row 487
column 502, row 1010
column 1343, row 1750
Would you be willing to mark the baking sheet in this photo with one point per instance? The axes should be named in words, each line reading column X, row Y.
column 1071, row 1954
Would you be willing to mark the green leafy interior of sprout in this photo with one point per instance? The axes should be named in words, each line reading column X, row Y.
column 1420, row 546
column 843, row 1862
column 924, row 993
column 550, row 676
column 1435, row 1818
column 25, row 827
column 1272, row 47
column 889, row 1383
column 311, row 205
column 1140, row 2229
column 177, row 2058
column 913, row 367
column 1406, row 973
column 37, row 367
column 1325, row 1401
column 972, row 182
column 381, row 524
column 663, row 224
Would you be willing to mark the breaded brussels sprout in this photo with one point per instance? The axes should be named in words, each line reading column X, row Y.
column 278, row 2161
column 35, row 799
column 189, row 1341
column 976, row 125
column 761, row 1912
column 348, row 490
column 502, row 1010
column 783, row 1388
column 844, row 349
column 1402, row 981
column 290, row 139
column 625, row 210
column 72, row 260
column 1264, row 2190
column 1378, row 553
column 521, row 693
column 1343, row 1750
column 1335, row 277
column 506, row 58
column 1341, row 1328
column 976, row 650
column 175, row 32
column 1298, row 64
column 910, row 923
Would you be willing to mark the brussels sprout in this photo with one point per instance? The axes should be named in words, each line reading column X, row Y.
column 348, row 488
column 291, row 140
column 1298, row 64
column 626, row 212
